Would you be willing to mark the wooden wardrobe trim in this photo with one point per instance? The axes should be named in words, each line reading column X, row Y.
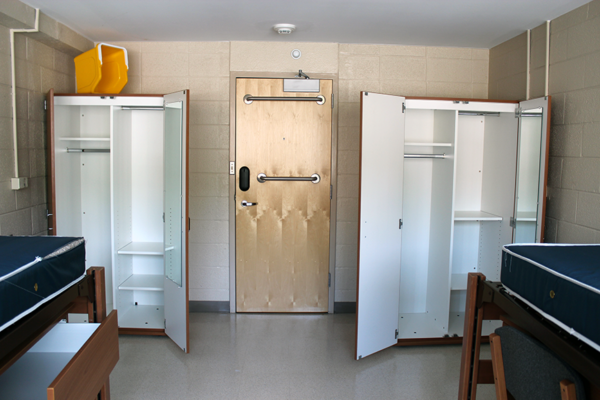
column 51, row 171
column 187, row 215
column 142, row 332
column 358, row 235
column 544, row 195
column 429, row 341
column 461, row 99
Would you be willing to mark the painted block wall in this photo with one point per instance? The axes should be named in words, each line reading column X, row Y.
column 573, row 214
column 39, row 67
column 573, row 195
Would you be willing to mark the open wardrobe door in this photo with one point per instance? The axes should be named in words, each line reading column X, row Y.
column 532, row 171
column 380, row 222
column 176, row 228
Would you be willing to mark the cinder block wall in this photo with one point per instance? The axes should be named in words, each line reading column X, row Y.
column 508, row 69
column 39, row 67
column 573, row 202
column 574, row 178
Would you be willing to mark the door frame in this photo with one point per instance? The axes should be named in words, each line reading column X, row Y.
column 233, row 76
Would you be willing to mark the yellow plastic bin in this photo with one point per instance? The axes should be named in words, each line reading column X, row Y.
column 102, row 69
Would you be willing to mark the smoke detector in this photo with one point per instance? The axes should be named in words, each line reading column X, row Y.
column 284, row 29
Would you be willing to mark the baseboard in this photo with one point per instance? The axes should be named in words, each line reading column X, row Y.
column 209, row 306
column 340, row 307
column 344, row 307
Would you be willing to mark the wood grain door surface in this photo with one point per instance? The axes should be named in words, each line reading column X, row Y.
column 282, row 243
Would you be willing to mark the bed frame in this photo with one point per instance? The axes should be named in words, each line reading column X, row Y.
column 490, row 301
column 86, row 375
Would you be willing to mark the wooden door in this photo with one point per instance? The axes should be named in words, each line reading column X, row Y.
column 282, row 242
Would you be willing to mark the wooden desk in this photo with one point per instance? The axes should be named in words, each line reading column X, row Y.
column 88, row 363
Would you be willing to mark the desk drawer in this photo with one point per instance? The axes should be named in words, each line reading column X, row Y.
column 72, row 361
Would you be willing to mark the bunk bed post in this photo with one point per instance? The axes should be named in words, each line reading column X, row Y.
column 97, row 311
column 469, row 364
column 97, row 307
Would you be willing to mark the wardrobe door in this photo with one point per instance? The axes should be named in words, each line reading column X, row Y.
column 380, row 215
column 532, row 168
column 176, row 288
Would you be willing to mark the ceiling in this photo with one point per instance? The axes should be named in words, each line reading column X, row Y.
column 456, row 23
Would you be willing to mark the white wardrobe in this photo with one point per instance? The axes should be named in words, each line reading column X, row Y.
column 118, row 177
column 443, row 185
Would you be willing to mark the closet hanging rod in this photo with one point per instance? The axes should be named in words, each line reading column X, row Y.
column 73, row 150
column 148, row 108
column 314, row 178
column 248, row 99
column 479, row 113
column 425, row 155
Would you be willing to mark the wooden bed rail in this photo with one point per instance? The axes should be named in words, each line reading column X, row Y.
column 489, row 301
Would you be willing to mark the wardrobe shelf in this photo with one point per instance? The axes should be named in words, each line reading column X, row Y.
column 145, row 317
column 143, row 248
column 417, row 325
column 153, row 283
column 429, row 144
column 475, row 216
column 526, row 216
column 85, row 139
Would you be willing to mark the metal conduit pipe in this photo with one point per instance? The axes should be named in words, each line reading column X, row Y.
column 16, row 181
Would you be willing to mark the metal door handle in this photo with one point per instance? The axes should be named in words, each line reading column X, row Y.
column 314, row 178
column 248, row 204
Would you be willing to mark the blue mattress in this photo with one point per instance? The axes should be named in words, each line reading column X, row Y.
column 562, row 282
column 34, row 270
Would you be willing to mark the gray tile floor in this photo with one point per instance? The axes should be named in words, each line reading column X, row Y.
column 281, row 356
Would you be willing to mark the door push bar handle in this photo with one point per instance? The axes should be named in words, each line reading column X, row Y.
column 248, row 204
column 314, row 178
column 248, row 99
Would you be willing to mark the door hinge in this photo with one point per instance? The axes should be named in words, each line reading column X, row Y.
column 163, row 218
column 512, row 222
column 518, row 112
column 165, row 323
column 331, row 100
column 396, row 334
column 329, row 281
column 330, row 192
column 403, row 107
column 189, row 224
column 45, row 105
column 400, row 223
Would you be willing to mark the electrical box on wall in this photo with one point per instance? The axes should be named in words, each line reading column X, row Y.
column 18, row 183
